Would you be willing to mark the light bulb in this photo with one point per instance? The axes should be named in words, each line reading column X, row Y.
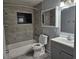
column 62, row 4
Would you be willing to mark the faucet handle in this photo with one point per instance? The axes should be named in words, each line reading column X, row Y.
column 68, row 37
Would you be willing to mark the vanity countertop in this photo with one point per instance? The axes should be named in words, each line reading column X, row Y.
column 64, row 41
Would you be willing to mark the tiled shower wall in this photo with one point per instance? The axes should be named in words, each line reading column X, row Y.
column 37, row 22
column 16, row 32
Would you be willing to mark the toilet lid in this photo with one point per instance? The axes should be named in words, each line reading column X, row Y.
column 43, row 39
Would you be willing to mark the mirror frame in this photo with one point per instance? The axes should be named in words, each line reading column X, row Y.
column 43, row 11
column 65, row 34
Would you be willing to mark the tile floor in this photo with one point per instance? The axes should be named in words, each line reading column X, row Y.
column 31, row 57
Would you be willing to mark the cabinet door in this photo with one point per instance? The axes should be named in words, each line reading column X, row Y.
column 65, row 55
column 55, row 53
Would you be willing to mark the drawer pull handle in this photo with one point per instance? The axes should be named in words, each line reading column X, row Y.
column 7, row 51
column 65, row 53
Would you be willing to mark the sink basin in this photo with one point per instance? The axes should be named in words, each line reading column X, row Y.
column 72, row 41
column 67, row 40
column 64, row 41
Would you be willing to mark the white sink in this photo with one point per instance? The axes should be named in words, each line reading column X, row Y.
column 64, row 41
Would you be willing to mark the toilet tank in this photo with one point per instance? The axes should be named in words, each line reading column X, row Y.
column 43, row 39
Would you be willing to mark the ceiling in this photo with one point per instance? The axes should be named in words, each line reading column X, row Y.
column 24, row 2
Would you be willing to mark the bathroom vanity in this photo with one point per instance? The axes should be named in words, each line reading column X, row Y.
column 63, row 18
column 61, row 48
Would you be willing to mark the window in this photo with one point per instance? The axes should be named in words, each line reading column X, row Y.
column 24, row 18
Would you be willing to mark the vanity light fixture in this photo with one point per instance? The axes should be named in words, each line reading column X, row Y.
column 67, row 3
column 62, row 4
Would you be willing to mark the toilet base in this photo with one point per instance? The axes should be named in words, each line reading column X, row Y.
column 40, row 52
column 39, row 57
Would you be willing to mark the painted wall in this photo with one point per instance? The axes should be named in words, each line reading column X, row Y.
column 16, row 32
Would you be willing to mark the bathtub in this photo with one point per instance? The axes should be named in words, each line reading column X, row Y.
column 19, row 48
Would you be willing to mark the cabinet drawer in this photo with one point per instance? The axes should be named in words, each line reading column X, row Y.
column 65, row 55
column 60, row 46
column 55, row 50
column 60, row 54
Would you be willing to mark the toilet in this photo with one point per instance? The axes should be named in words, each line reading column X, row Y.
column 39, row 48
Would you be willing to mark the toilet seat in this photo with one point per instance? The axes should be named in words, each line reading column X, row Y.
column 37, row 46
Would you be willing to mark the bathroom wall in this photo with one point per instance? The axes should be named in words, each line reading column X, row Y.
column 37, row 22
column 47, row 4
column 16, row 32
column 50, row 31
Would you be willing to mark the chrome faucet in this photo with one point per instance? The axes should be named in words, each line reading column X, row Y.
column 69, row 37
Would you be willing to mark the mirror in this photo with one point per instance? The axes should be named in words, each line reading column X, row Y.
column 68, row 16
column 48, row 17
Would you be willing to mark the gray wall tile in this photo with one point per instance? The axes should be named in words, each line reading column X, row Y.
column 16, row 32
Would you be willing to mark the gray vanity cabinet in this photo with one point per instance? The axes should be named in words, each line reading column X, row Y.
column 55, row 53
column 59, row 51
column 65, row 55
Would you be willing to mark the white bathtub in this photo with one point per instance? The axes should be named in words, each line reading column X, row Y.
column 19, row 48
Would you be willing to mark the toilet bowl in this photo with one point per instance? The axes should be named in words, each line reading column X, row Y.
column 39, row 48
